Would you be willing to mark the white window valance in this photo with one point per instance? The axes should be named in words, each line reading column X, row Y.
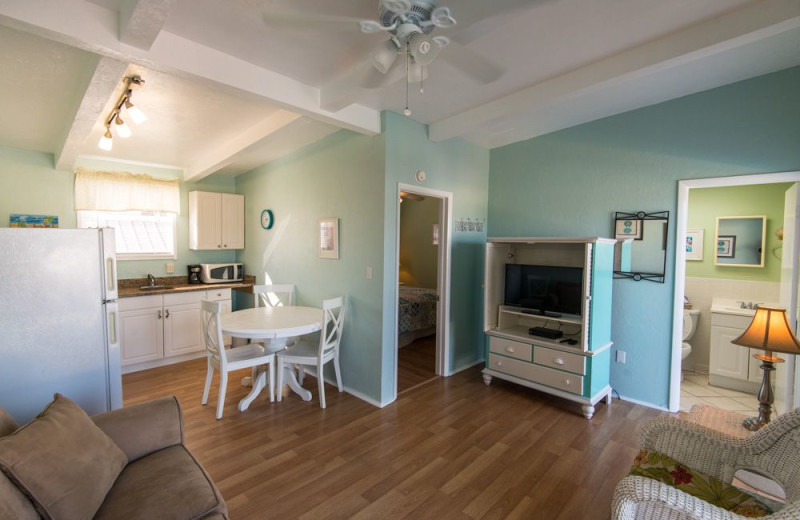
column 124, row 191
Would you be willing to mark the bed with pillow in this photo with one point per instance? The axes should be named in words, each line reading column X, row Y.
column 416, row 317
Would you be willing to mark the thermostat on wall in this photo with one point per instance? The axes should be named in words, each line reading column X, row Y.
column 420, row 176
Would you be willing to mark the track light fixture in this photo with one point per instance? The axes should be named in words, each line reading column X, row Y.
column 136, row 115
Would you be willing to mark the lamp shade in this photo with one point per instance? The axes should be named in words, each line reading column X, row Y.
column 770, row 330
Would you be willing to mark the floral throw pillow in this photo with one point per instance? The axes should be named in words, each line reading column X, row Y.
column 667, row 470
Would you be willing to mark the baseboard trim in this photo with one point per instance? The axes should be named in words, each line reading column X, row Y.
column 465, row 367
column 354, row 393
column 643, row 403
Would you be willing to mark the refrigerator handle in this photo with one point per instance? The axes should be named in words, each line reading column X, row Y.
column 111, row 275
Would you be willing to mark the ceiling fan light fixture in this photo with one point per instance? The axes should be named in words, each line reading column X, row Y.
column 106, row 142
column 385, row 55
column 441, row 17
column 422, row 48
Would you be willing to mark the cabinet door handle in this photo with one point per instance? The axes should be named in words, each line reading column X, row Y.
column 158, row 313
column 558, row 361
column 166, row 313
column 224, row 245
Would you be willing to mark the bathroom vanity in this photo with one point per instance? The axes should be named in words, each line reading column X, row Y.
column 732, row 366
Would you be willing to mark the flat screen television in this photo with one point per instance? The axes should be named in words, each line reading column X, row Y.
column 545, row 289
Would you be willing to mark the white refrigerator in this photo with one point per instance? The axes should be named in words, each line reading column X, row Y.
column 58, row 320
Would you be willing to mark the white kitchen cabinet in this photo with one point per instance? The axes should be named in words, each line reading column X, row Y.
column 216, row 220
column 158, row 330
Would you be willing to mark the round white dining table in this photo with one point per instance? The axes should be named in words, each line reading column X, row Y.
column 272, row 323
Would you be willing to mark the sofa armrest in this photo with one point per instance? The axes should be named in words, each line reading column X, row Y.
column 142, row 429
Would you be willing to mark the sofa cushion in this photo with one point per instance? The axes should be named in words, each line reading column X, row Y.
column 62, row 461
column 7, row 424
column 13, row 504
column 668, row 471
column 169, row 483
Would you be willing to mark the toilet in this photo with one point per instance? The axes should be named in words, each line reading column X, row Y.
column 690, row 318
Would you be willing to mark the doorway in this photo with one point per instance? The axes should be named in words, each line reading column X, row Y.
column 423, row 282
column 791, row 396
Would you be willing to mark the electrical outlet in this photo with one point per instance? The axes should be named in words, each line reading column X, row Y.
column 621, row 356
column 170, row 268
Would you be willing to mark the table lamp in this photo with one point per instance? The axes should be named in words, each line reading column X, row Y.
column 769, row 331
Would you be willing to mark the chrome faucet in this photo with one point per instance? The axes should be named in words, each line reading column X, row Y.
column 151, row 279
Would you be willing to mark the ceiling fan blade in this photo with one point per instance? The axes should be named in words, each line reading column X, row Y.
column 471, row 63
column 305, row 22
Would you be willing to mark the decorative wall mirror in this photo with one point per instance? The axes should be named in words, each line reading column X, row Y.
column 739, row 241
column 641, row 251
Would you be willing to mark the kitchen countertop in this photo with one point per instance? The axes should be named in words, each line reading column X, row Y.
column 130, row 287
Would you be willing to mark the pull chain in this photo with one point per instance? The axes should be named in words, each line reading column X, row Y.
column 406, row 110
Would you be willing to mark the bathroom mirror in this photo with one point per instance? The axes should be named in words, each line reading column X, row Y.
column 641, row 250
column 739, row 241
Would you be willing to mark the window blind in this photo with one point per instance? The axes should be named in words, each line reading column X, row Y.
column 124, row 191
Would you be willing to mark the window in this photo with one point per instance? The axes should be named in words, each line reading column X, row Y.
column 139, row 235
column 141, row 209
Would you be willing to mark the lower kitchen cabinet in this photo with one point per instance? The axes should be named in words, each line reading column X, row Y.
column 158, row 330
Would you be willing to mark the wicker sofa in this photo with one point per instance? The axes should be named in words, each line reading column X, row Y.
column 130, row 463
column 773, row 451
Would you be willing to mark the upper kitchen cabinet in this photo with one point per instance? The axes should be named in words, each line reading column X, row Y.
column 216, row 220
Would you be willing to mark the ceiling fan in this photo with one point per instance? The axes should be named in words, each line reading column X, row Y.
column 409, row 25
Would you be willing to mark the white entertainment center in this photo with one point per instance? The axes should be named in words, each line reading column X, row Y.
column 575, row 365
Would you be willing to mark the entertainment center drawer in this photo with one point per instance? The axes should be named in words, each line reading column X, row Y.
column 538, row 374
column 561, row 360
column 510, row 348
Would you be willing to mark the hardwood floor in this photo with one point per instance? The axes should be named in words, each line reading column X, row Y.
column 450, row 449
column 416, row 363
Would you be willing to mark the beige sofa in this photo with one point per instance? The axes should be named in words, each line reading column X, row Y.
column 149, row 472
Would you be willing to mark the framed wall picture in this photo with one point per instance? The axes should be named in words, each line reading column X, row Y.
column 726, row 246
column 694, row 244
column 329, row 238
column 628, row 228
column 36, row 221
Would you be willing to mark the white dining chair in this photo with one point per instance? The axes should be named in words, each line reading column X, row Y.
column 317, row 354
column 273, row 295
column 225, row 360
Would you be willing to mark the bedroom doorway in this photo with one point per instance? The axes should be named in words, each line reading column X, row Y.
column 423, row 265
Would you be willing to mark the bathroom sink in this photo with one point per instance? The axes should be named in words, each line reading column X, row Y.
column 153, row 287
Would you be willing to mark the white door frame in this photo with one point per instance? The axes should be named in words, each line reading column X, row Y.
column 442, row 272
column 680, row 261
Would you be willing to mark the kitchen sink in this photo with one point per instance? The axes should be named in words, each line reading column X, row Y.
column 153, row 287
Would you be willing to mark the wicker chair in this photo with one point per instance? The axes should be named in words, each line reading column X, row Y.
column 773, row 451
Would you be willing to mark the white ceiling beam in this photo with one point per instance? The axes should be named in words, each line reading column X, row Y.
column 104, row 83
column 93, row 28
column 744, row 26
column 141, row 21
column 221, row 157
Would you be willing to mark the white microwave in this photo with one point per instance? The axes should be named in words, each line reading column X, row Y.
column 221, row 273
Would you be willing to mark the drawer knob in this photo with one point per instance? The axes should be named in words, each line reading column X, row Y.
column 567, row 382
column 499, row 363
column 510, row 349
column 558, row 361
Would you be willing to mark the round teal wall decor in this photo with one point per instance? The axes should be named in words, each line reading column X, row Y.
column 267, row 219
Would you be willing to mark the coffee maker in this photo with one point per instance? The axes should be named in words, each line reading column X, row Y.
column 194, row 274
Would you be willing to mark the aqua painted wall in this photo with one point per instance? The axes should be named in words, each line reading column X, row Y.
column 29, row 184
column 571, row 182
column 706, row 204
column 340, row 176
column 459, row 167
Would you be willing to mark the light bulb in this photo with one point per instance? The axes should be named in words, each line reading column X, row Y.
column 106, row 142
column 122, row 129
column 136, row 114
